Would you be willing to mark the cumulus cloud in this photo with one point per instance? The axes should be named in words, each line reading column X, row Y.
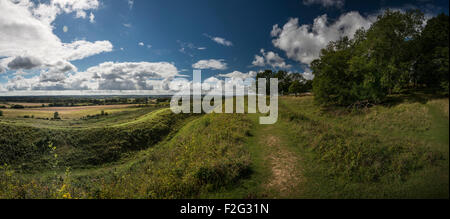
column 270, row 58
column 217, row 64
column 308, row 75
column 220, row 40
column 27, row 31
column 215, row 85
column 81, row 49
column 24, row 62
column 238, row 74
column 48, row 12
column 2, row 69
column 304, row 42
column 326, row 3
column 131, row 76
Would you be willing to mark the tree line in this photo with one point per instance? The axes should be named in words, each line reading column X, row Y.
column 288, row 83
column 399, row 52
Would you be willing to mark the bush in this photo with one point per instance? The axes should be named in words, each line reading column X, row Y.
column 17, row 107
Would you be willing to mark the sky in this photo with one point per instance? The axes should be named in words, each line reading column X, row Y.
column 80, row 47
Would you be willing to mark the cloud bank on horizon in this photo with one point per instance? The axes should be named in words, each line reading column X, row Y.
column 37, row 58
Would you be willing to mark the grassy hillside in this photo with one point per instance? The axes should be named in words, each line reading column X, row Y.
column 204, row 155
column 397, row 151
column 386, row 151
column 28, row 148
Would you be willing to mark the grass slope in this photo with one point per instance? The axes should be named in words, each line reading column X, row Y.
column 384, row 152
column 395, row 151
column 205, row 155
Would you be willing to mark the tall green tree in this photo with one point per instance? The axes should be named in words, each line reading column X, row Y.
column 295, row 88
column 389, row 43
column 433, row 52
column 332, row 82
column 371, row 65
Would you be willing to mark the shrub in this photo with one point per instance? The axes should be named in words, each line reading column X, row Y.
column 17, row 106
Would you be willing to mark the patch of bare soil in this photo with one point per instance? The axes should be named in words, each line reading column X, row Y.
column 286, row 173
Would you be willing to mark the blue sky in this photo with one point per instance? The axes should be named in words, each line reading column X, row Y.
column 227, row 35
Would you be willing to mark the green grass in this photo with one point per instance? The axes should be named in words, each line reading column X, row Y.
column 393, row 151
column 383, row 152
column 251, row 186
column 26, row 147
column 203, row 156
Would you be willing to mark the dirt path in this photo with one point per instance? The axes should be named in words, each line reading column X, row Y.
column 286, row 171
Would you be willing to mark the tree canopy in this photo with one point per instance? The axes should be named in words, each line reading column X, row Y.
column 286, row 81
column 395, row 53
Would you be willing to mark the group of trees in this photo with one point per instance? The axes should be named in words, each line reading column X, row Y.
column 398, row 52
column 288, row 83
column 69, row 101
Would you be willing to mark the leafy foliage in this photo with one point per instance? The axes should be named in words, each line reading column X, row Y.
column 383, row 60
column 285, row 81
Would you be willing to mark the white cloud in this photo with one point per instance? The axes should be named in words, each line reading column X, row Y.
column 270, row 58
column 304, row 42
column 48, row 12
column 105, row 76
column 92, row 18
column 259, row 61
column 28, row 33
column 65, row 29
column 308, row 75
column 141, row 44
column 212, row 80
column 220, row 40
column 27, row 42
column 130, row 4
column 81, row 49
column 78, row 6
column 217, row 64
column 238, row 74
column 2, row 69
column 326, row 3
column 131, row 75
column 128, row 25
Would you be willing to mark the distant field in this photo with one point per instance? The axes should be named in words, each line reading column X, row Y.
column 67, row 112
column 26, row 104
